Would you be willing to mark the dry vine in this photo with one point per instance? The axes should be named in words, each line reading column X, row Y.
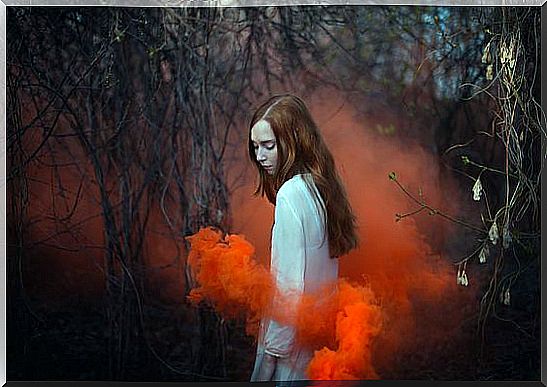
column 510, row 227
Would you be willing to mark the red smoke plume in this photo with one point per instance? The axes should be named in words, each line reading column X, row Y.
column 227, row 275
column 403, row 263
column 234, row 283
column 358, row 322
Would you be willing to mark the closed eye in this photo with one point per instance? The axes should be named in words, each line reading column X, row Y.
column 269, row 145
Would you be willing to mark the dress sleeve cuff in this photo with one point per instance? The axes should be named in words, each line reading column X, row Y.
column 274, row 354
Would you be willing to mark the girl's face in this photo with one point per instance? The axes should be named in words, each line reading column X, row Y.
column 265, row 146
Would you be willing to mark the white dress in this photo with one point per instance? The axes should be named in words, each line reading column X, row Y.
column 301, row 264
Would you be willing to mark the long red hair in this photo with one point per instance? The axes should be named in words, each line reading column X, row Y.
column 301, row 149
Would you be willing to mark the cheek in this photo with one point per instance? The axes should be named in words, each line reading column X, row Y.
column 274, row 155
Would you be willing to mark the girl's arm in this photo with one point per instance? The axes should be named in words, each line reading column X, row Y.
column 288, row 266
column 267, row 368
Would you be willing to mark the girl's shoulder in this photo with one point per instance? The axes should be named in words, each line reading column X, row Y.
column 300, row 194
column 296, row 186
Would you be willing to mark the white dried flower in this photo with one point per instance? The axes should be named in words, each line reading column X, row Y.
column 462, row 278
column 508, row 54
column 493, row 233
column 486, row 54
column 477, row 189
column 489, row 72
column 506, row 297
column 504, row 57
column 465, row 281
column 483, row 255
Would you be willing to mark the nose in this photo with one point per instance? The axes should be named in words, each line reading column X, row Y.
column 260, row 155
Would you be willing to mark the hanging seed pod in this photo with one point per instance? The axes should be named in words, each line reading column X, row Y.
column 485, row 252
column 493, row 233
column 486, row 57
column 477, row 189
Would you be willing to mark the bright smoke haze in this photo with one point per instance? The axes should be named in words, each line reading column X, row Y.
column 405, row 263
column 400, row 262
column 234, row 284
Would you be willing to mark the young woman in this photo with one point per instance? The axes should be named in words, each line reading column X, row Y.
column 313, row 226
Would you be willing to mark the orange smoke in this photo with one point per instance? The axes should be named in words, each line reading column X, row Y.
column 404, row 263
column 227, row 275
column 358, row 322
column 230, row 279
column 65, row 239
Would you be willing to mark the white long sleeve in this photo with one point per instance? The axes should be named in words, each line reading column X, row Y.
column 288, row 267
column 301, row 265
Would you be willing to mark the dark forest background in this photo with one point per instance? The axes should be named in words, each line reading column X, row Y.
column 141, row 108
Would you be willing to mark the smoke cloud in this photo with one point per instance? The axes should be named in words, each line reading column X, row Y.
column 404, row 265
column 235, row 284
column 228, row 276
column 400, row 272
